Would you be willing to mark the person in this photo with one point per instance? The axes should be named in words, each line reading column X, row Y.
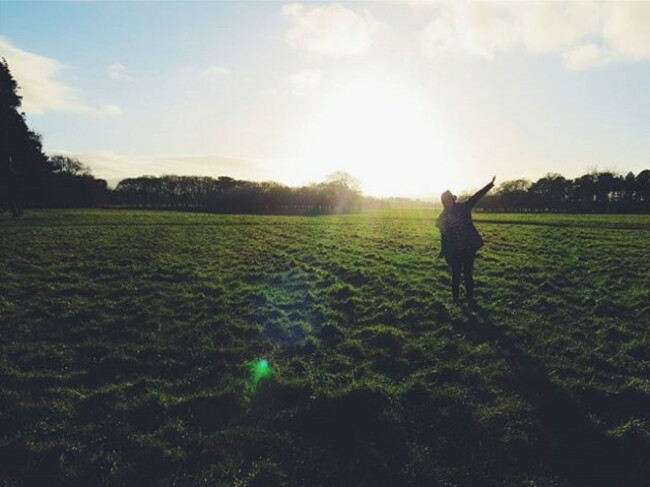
column 460, row 240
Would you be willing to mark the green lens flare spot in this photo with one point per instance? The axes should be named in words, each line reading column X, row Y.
column 260, row 369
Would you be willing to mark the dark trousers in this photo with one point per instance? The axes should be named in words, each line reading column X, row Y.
column 462, row 263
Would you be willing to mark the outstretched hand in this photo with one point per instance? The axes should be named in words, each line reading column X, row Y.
column 493, row 178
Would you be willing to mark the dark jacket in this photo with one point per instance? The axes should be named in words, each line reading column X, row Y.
column 457, row 231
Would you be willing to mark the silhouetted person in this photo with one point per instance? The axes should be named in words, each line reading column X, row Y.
column 459, row 239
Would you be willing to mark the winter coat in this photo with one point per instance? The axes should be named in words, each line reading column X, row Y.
column 457, row 231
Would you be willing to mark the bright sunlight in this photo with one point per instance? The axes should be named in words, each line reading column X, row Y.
column 382, row 135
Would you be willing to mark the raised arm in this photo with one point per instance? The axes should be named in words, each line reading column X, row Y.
column 480, row 193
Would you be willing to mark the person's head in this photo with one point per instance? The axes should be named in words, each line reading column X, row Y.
column 448, row 199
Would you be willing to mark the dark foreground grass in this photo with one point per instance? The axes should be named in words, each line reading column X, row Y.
column 127, row 340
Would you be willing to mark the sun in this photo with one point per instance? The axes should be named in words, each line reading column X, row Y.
column 382, row 135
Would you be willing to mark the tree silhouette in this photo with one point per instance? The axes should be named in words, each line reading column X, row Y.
column 551, row 191
column 24, row 168
column 596, row 191
column 643, row 186
column 68, row 165
column 514, row 194
column 338, row 194
column 343, row 180
column 629, row 188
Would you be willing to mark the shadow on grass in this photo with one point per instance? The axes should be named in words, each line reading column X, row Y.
column 572, row 444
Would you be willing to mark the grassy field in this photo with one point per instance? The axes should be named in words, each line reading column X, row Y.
column 128, row 340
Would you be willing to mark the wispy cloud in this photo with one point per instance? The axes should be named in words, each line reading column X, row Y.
column 106, row 109
column 216, row 72
column 585, row 34
column 40, row 84
column 330, row 29
column 626, row 29
column 586, row 56
column 117, row 71
column 114, row 166
column 37, row 78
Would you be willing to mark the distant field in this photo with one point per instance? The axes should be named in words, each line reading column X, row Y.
column 126, row 339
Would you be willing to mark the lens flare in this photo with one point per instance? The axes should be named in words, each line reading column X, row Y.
column 260, row 369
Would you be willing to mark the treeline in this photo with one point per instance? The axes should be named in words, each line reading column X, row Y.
column 338, row 194
column 597, row 192
column 69, row 184
column 60, row 182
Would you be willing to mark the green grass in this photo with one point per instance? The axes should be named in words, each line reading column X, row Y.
column 129, row 339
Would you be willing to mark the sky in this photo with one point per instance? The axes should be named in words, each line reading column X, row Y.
column 411, row 98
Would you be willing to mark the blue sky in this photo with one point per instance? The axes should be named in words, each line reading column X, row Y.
column 409, row 97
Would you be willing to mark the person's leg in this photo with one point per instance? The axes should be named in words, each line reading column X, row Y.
column 468, row 273
column 455, row 265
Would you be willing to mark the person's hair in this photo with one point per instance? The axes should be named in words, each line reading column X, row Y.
column 447, row 195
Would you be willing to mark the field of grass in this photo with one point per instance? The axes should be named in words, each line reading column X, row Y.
column 128, row 338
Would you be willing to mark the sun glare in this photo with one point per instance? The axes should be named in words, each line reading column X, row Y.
column 383, row 136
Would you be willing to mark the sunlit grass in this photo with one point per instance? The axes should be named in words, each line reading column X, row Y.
column 130, row 340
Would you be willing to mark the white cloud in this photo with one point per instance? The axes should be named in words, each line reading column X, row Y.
column 553, row 26
column 330, row 29
column 586, row 56
column 216, row 72
column 585, row 34
column 442, row 37
column 108, row 109
column 474, row 29
column 491, row 27
column 305, row 80
column 627, row 29
column 37, row 77
column 40, row 86
column 117, row 71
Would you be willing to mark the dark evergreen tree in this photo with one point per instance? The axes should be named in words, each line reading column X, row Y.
column 24, row 168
